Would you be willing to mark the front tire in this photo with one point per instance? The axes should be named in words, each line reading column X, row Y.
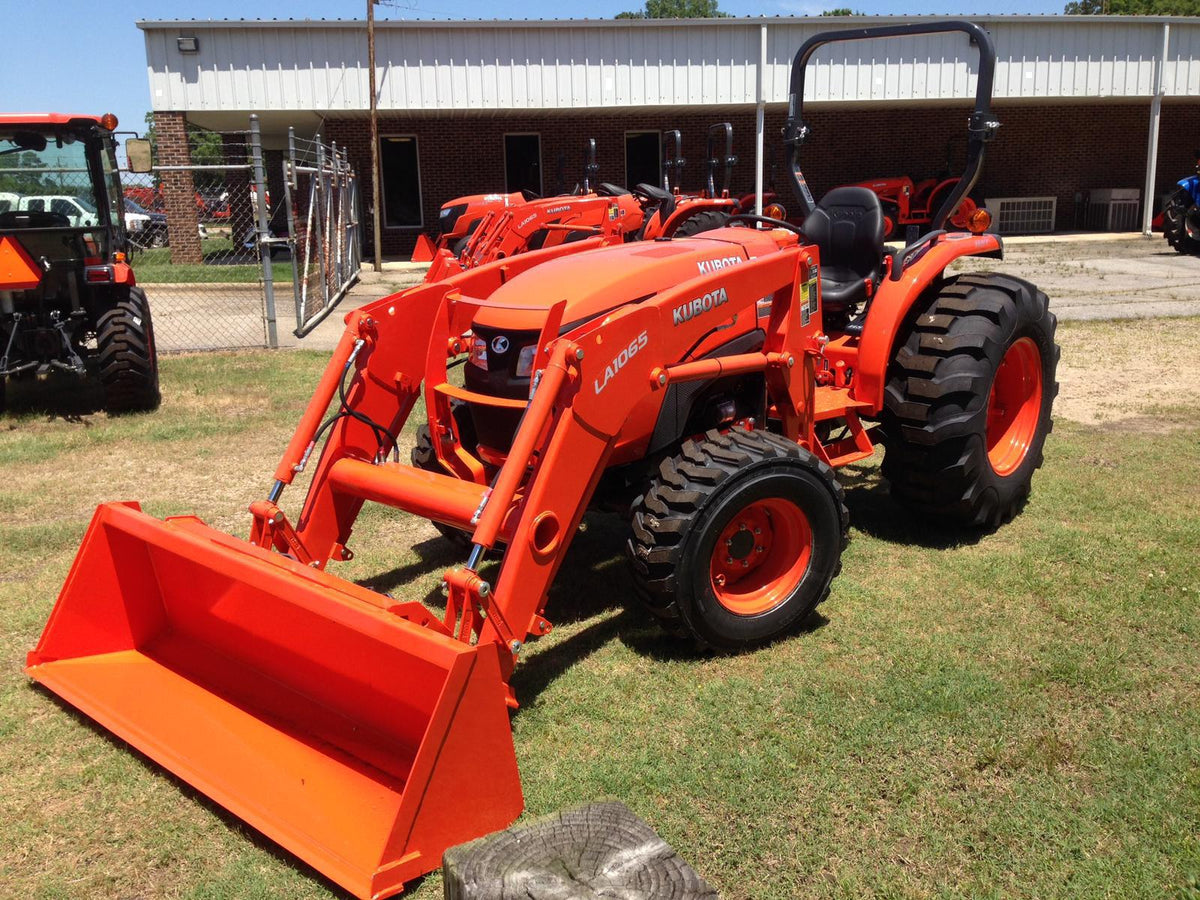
column 701, row 222
column 738, row 538
column 424, row 457
column 1180, row 219
column 127, row 355
column 968, row 401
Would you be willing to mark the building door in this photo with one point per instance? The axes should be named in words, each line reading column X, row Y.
column 523, row 163
column 643, row 158
column 399, row 164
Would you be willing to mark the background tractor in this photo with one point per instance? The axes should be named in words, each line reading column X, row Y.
column 1181, row 214
column 679, row 214
column 707, row 389
column 459, row 218
column 909, row 202
column 68, row 299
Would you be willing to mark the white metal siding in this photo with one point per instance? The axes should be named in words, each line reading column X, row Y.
column 479, row 66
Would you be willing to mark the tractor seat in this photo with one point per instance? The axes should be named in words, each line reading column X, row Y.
column 607, row 189
column 663, row 200
column 847, row 227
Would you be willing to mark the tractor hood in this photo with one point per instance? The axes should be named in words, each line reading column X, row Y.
column 601, row 280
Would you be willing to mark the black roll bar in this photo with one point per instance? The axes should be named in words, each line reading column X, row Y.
column 591, row 168
column 728, row 160
column 673, row 161
column 981, row 126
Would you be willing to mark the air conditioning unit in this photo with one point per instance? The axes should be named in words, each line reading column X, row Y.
column 1022, row 215
column 1113, row 209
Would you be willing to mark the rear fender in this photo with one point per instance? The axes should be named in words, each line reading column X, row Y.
column 1191, row 184
column 894, row 301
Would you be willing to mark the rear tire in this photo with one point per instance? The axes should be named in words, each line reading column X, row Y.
column 1176, row 214
column 127, row 355
column 701, row 222
column 968, row 401
column 738, row 538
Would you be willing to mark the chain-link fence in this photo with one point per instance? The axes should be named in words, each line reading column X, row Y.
column 195, row 230
column 323, row 223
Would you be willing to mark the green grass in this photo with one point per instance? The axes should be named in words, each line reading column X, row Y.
column 155, row 266
column 1014, row 716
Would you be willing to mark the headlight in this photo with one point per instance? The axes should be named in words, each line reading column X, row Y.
column 525, row 360
column 448, row 217
column 478, row 354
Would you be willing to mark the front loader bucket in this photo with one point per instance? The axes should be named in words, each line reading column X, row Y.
column 363, row 742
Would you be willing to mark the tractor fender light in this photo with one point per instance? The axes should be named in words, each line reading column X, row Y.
column 98, row 274
column 979, row 221
column 775, row 211
column 108, row 121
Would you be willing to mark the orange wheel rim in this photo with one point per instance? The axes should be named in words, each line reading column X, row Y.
column 1014, row 406
column 760, row 556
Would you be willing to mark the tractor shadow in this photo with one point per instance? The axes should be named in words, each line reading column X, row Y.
column 58, row 395
column 874, row 512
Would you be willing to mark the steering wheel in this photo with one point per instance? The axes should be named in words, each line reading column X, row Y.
column 766, row 220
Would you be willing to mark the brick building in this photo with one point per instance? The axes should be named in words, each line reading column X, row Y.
column 1086, row 103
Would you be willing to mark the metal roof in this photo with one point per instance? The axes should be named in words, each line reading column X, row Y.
column 499, row 66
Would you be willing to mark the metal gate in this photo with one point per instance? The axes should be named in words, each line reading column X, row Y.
column 321, row 192
column 196, row 232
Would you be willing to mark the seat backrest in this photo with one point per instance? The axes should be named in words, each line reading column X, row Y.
column 847, row 226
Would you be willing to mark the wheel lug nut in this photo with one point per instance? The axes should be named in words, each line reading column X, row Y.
column 729, row 560
column 720, row 580
column 758, row 549
column 758, row 531
column 745, row 563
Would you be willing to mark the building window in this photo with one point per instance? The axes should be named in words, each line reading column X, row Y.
column 401, row 170
column 643, row 158
column 523, row 163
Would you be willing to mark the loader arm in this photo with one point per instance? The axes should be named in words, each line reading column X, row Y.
column 591, row 380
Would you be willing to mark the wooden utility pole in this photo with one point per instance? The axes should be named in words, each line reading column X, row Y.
column 375, row 175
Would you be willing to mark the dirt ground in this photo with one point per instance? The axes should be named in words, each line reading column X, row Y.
column 1095, row 278
column 1126, row 372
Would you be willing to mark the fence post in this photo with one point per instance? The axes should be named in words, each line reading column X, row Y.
column 263, row 229
column 289, row 175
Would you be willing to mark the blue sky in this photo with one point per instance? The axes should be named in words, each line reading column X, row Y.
column 90, row 59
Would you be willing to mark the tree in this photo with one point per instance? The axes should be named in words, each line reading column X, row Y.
column 1133, row 8
column 676, row 9
column 843, row 11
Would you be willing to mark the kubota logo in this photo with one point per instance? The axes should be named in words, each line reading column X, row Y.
column 693, row 308
column 619, row 363
column 558, row 209
column 708, row 266
column 500, row 344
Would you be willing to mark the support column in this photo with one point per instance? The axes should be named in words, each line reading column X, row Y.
column 1152, row 148
column 178, row 188
column 759, row 120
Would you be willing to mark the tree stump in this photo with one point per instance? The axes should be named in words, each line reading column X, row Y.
column 600, row 851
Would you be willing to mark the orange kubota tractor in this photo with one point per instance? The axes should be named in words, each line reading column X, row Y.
column 709, row 386
column 681, row 215
column 459, row 218
column 594, row 209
